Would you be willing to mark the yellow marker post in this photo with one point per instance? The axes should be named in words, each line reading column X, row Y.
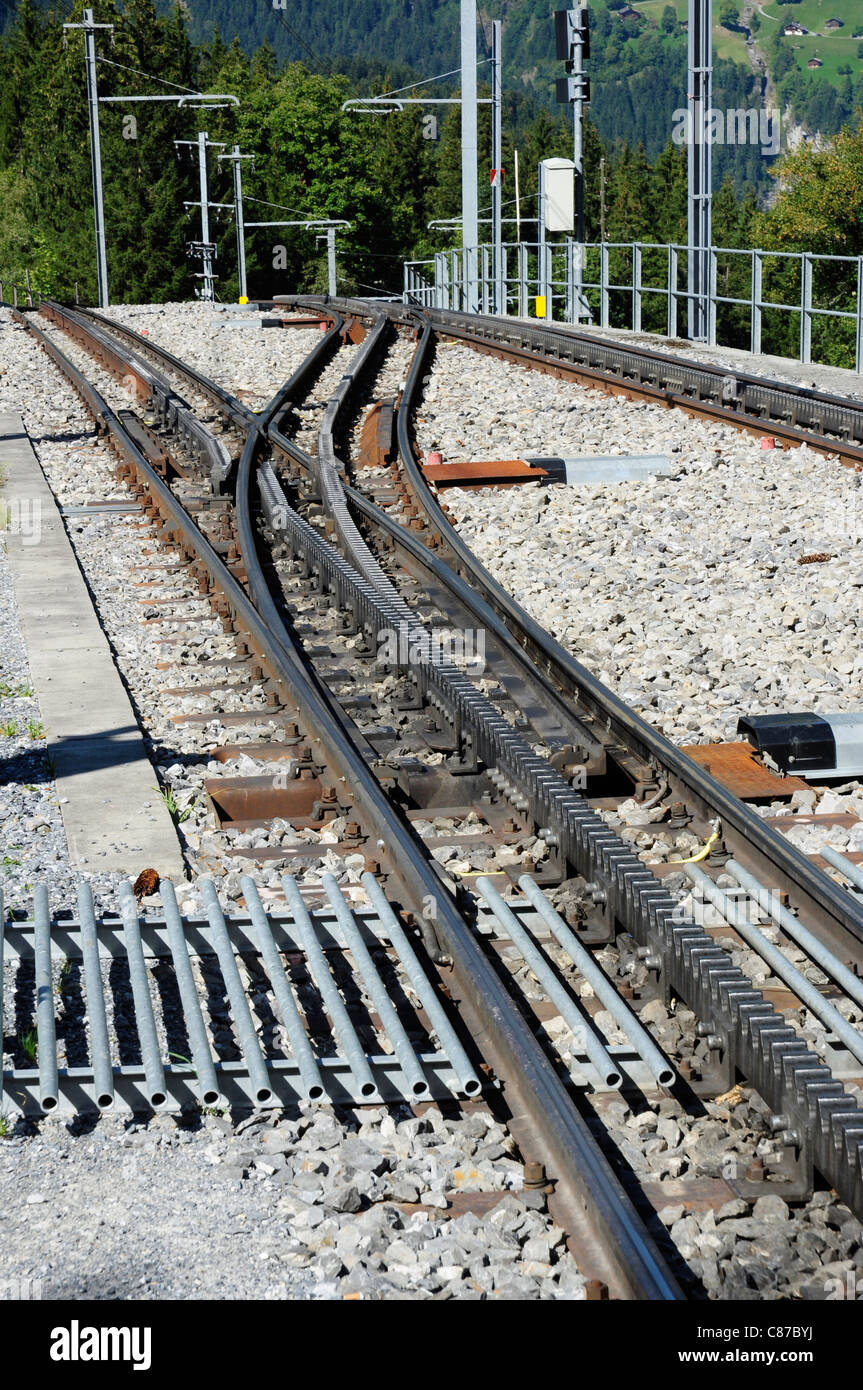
column 243, row 299
column 540, row 306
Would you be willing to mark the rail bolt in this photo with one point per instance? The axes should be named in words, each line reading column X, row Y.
column 534, row 1176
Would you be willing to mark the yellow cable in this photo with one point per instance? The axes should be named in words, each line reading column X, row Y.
column 702, row 853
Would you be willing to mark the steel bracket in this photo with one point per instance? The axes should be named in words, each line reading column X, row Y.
column 789, row 1173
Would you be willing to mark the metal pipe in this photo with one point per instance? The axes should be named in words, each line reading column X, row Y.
column 197, row 1033
column 699, row 166
column 542, row 288
column 151, row 1055
column 602, row 987
column 407, row 1058
column 609, row 1074
column 332, row 282
column 89, row 28
column 96, row 156
column 779, row 964
column 851, row 870
column 821, row 954
column 45, row 1031
column 303, row 1055
column 248, row 1038
column 423, row 988
column 342, row 1026
column 238, row 212
column 100, row 1047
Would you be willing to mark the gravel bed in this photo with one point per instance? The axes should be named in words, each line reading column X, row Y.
column 301, row 1207
column 684, row 593
column 251, row 362
column 306, row 1206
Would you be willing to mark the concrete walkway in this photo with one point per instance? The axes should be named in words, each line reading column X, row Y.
column 114, row 817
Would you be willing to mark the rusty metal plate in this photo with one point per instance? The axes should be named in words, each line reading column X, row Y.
column 483, row 473
column 736, row 767
column 246, row 799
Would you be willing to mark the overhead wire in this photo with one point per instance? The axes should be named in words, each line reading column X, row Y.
column 298, row 38
column 178, row 86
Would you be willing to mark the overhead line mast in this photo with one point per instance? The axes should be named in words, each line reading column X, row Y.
column 700, row 230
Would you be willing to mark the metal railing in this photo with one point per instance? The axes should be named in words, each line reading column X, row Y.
column 14, row 293
column 792, row 304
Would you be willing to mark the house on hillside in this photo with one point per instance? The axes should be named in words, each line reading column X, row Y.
column 794, row 30
column 815, row 63
column 628, row 13
column 834, row 24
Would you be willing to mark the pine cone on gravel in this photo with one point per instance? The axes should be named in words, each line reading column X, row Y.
column 146, row 883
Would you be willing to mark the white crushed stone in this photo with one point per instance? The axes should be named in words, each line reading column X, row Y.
column 681, row 593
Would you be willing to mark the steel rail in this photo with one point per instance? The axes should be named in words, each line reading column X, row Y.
column 751, row 1033
column 758, row 847
column 241, row 415
column 801, row 415
column 590, row 1200
column 173, row 411
column 535, row 1094
column 745, row 1030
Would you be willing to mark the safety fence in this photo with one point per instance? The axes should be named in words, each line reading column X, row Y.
column 800, row 305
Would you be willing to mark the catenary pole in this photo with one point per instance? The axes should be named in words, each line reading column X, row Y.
column 699, row 95
column 469, row 192
column 90, row 28
column 236, row 161
column 497, row 163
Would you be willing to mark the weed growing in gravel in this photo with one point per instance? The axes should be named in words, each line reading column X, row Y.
column 29, row 1044
column 50, row 764
column 35, row 729
column 6, row 1123
column 177, row 816
column 9, row 862
column 9, row 729
column 8, row 691
column 63, row 977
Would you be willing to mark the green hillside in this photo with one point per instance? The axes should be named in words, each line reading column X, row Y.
column 637, row 65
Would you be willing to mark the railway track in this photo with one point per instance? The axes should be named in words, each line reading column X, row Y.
column 393, row 573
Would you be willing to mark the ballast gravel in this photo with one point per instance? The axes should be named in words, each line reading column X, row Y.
column 224, row 342
column 684, row 593
column 320, row 1205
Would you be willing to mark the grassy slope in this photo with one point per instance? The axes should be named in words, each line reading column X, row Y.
column 835, row 47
